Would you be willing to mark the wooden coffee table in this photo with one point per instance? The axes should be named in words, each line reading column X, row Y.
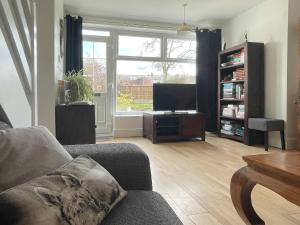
column 278, row 172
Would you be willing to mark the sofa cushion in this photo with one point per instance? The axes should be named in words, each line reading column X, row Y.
column 142, row 208
column 265, row 124
column 26, row 153
column 128, row 163
column 79, row 193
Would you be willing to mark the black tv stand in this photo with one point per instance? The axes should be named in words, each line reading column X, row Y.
column 173, row 126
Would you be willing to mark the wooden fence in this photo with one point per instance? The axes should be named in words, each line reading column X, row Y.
column 139, row 93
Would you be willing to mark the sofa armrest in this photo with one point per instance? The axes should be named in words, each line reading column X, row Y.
column 127, row 163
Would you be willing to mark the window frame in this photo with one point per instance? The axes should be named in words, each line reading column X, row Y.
column 112, row 61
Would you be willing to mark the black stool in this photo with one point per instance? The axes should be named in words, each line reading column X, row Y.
column 266, row 125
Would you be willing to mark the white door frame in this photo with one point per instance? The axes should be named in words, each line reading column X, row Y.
column 108, row 129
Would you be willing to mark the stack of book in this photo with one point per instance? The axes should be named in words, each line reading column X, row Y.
column 239, row 131
column 233, row 91
column 229, row 127
column 236, row 58
column 234, row 111
column 240, row 113
column 228, row 91
column 229, row 110
column 239, row 91
column 239, row 74
column 232, row 128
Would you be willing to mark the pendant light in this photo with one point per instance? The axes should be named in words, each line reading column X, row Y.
column 184, row 28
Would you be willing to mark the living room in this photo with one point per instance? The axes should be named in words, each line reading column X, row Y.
column 186, row 104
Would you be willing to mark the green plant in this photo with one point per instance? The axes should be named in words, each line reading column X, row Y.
column 80, row 89
column 124, row 100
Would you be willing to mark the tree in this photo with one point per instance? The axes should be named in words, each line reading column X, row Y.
column 173, row 51
column 95, row 72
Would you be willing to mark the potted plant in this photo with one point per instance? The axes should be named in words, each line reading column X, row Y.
column 79, row 90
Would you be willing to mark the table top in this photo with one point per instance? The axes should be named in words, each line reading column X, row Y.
column 278, row 164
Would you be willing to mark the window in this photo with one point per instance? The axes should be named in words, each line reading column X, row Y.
column 139, row 46
column 94, row 65
column 181, row 49
column 139, row 60
column 136, row 73
column 135, row 81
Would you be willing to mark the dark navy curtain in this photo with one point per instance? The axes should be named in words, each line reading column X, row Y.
column 74, row 44
column 208, row 47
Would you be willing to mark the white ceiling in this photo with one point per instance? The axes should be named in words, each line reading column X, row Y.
column 166, row 11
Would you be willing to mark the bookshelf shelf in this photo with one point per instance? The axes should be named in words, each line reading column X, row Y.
column 233, row 137
column 244, row 96
column 232, row 81
column 232, row 66
column 231, row 100
column 231, row 118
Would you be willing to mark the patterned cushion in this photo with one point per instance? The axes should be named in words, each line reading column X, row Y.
column 4, row 126
column 26, row 153
column 79, row 193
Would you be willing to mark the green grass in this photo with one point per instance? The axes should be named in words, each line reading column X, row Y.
column 136, row 106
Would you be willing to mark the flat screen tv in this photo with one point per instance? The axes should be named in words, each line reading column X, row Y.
column 172, row 97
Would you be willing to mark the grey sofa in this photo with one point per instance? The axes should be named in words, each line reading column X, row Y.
column 131, row 168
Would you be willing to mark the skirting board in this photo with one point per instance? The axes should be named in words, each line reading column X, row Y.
column 274, row 141
column 128, row 133
column 291, row 143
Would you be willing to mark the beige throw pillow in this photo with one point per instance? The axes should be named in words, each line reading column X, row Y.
column 79, row 193
column 26, row 153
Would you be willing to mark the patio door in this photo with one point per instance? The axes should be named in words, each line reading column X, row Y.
column 96, row 57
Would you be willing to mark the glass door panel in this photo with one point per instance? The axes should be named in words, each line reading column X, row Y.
column 95, row 54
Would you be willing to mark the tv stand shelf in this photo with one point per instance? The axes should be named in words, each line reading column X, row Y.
column 163, row 126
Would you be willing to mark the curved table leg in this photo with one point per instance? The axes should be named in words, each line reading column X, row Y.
column 241, row 188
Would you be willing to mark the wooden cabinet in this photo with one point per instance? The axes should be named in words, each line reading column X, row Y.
column 160, row 126
column 192, row 125
column 75, row 124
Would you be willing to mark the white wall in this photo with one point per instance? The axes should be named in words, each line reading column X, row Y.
column 268, row 23
column 128, row 126
column 12, row 95
column 58, row 59
column 49, row 64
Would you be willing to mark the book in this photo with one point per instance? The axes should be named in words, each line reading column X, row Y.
column 235, row 58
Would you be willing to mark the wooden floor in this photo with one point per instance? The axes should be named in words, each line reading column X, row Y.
column 194, row 178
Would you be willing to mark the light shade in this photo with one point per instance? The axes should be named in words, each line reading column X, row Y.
column 184, row 29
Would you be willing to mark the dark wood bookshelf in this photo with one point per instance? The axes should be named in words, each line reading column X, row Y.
column 253, row 86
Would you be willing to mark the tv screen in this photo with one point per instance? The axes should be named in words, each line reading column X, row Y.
column 172, row 97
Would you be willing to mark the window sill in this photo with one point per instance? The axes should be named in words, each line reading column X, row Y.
column 129, row 115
